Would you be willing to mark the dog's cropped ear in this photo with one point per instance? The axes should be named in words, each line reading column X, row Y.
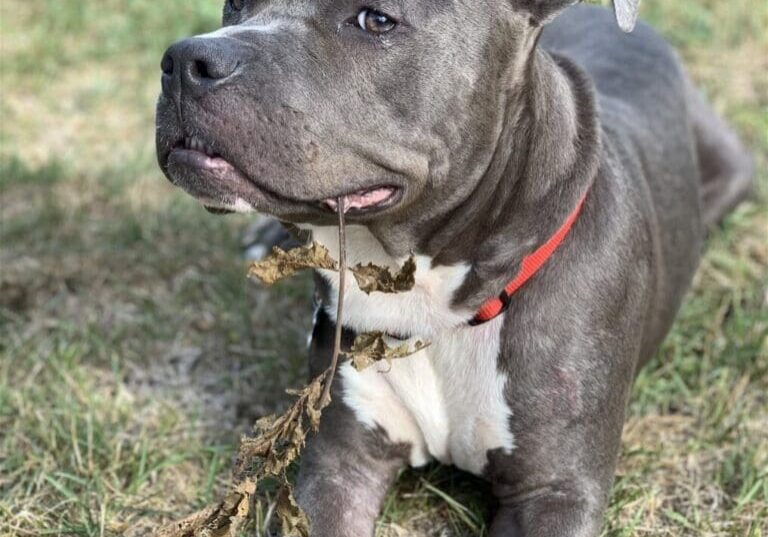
column 542, row 11
column 626, row 13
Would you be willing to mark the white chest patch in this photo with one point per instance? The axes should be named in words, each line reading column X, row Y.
column 448, row 400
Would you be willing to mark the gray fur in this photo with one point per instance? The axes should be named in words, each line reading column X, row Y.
column 493, row 130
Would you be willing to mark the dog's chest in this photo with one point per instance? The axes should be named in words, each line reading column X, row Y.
column 447, row 401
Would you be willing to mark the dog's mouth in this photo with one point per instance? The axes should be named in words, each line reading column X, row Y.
column 195, row 166
column 364, row 200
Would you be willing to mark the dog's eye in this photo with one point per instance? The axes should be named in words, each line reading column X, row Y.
column 236, row 5
column 375, row 22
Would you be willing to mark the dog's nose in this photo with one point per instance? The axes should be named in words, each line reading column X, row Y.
column 194, row 66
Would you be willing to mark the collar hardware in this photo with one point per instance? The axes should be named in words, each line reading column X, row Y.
column 530, row 265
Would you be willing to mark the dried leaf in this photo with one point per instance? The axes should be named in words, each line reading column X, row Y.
column 372, row 278
column 223, row 520
column 187, row 527
column 282, row 264
column 369, row 349
column 277, row 444
column 295, row 522
column 279, row 440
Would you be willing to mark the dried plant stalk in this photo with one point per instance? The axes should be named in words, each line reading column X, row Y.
column 326, row 400
column 278, row 441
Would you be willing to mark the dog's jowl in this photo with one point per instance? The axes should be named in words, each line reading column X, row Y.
column 551, row 174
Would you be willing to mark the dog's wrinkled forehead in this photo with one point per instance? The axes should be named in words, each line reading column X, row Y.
column 411, row 11
column 276, row 16
column 382, row 52
column 390, row 25
column 236, row 11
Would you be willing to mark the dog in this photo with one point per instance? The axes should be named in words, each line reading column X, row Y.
column 553, row 173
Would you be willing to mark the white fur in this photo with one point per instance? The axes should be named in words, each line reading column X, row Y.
column 448, row 400
column 272, row 27
column 239, row 205
column 242, row 206
column 311, row 333
column 427, row 308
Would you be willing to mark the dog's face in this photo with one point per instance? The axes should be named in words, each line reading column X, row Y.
column 297, row 102
column 392, row 104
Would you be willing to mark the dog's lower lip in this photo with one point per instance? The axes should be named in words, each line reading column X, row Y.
column 203, row 160
column 209, row 177
column 365, row 199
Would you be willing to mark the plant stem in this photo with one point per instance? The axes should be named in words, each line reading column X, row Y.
column 326, row 399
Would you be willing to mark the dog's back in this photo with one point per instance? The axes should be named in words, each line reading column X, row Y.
column 640, row 77
column 691, row 167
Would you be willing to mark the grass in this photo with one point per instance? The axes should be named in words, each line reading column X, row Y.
column 133, row 351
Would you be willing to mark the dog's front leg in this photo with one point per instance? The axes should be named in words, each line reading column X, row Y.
column 556, row 510
column 561, row 495
column 567, row 417
column 347, row 468
column 345, row 475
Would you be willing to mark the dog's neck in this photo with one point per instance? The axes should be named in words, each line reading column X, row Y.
column 545, row 159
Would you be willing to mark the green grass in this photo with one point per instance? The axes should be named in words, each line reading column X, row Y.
column 133, row 351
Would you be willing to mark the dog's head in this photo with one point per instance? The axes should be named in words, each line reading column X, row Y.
column 386, row 103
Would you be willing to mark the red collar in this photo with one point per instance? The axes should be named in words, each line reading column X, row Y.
column 531, row 264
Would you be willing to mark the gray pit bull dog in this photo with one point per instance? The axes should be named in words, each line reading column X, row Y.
column 468, row 134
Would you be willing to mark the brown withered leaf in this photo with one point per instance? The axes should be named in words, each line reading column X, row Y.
column 374, row 279
column 281, row 264
column 295, row 522
column 222, row 520
column 279, row 440
column 370, row 278
column 277, row 443
column 190, row 526
column 370, row 348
